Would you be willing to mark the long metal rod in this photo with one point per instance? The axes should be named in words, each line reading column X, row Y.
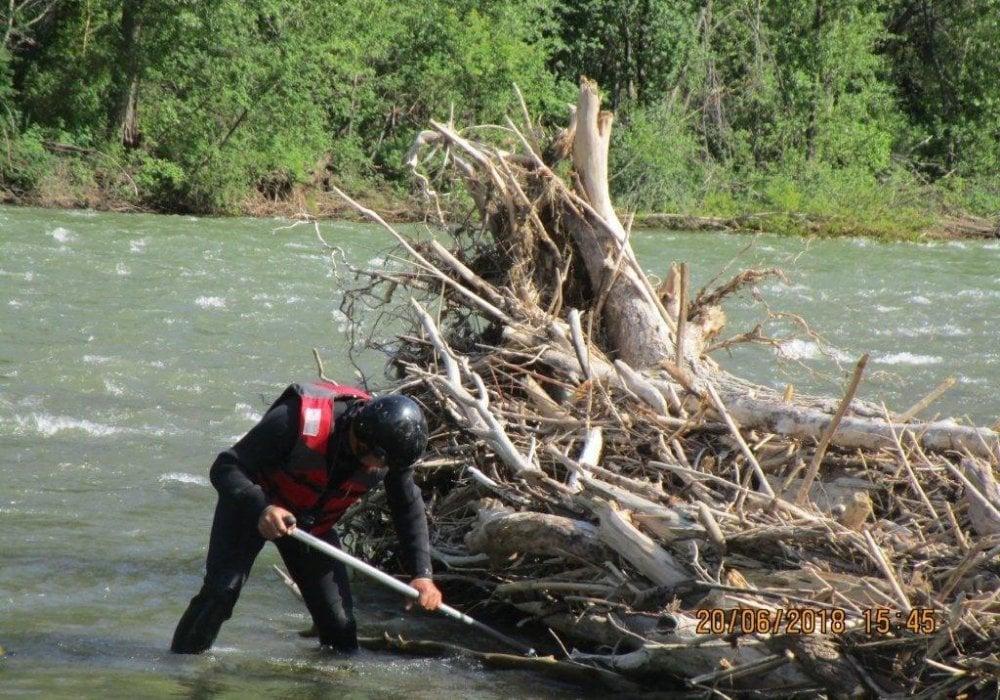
column 400, row 587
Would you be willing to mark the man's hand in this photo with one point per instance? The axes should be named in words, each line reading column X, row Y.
column 430, row 596
column 271, row 523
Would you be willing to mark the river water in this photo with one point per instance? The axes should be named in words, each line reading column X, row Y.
column 136, row 347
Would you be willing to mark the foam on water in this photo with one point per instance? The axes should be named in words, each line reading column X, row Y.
column 211, row 302
column 948, row 330
column 976, row 381
column 113, row 389
column 799, row 349
column 249, row 412
column 340, row 318
column 979, row 293
column 47, row 425
column 183, row 478
column 63, row 235
column 780, row 287
column 907, row 358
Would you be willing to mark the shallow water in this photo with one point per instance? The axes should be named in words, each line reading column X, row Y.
column 134, row 348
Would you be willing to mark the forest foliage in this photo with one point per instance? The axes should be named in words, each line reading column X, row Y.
column 847, row 110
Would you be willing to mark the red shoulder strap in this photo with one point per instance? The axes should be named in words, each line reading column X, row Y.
column 343, row 391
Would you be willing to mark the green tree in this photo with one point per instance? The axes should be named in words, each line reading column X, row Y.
column 779, row 83
column 64, row 77
column 759, row 89
column 945, row 62
column 459, row 59
column 126, row 75
column 229, row 96
column 630, row 47
column 236, row 98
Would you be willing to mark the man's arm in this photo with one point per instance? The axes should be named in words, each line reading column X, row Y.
column 264, row 449
column 406, row 505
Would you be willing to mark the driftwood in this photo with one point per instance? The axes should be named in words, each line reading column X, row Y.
column 593, row 469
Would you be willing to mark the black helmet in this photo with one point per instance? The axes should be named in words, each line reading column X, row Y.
column 392, row 427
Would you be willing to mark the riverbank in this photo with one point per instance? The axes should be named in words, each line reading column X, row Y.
column 396, row 206
column 948, row 227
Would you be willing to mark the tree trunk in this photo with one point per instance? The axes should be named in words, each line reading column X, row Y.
column 639, row 331
column 123, row 118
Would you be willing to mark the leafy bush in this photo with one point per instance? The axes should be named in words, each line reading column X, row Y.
column 161, row 183
column 655, row 164
column 25, row 161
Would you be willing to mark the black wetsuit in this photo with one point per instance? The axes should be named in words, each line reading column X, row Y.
column 235, row 541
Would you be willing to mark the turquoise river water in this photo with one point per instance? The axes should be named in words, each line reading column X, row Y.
column 133, row 348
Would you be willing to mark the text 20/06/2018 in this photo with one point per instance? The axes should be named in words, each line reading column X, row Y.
column 874, row 621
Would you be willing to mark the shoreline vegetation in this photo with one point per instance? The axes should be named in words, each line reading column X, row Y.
column 400, row 207
column 834, row 118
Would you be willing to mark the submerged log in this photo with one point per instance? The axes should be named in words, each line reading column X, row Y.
column 596, row 471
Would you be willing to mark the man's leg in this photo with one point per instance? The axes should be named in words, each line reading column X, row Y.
column 325, row 589
column 232, row 548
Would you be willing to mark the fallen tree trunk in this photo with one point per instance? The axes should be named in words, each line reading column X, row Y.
column 858, row 432
column 594, row 469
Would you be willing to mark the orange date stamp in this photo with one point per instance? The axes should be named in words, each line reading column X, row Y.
column 723, row 621
column 873, row 621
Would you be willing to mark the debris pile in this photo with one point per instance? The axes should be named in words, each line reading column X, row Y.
column 592, row 468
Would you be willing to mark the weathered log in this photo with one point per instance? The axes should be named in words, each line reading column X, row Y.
column 800, row 423
column 639, row 331
column 982, row 496
column 820, row 658
column 679, row 650
column 547, row 665
column 502, row 532
column 654, row 562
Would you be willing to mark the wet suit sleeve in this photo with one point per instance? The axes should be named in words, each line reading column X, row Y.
column 407, row 507
column 263, row 450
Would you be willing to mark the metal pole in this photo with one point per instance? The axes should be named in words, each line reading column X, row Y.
column 400, row 587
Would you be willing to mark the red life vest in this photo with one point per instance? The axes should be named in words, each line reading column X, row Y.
column 302, row 486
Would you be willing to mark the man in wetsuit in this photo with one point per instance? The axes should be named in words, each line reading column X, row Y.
column 318, row 448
